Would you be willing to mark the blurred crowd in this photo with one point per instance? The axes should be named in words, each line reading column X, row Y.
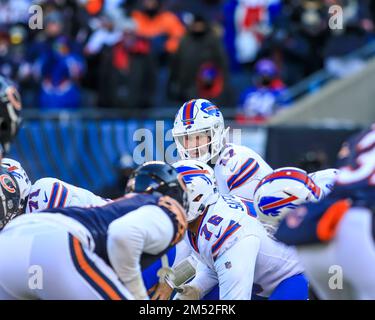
column 140, row 54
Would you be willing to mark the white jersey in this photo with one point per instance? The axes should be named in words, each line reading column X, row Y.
column 47, row 193
column 325, row 180
column 238, row 170
column 236, row 251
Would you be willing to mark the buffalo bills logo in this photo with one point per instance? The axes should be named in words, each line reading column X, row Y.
column 210, row 109
column 188, row 173
column 271, row 206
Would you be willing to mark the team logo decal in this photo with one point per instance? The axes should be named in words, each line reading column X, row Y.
column 188, row 173
column 7, row 183
column 271, row 206
column 210, row 109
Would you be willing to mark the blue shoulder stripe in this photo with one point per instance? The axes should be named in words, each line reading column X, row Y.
column 53, row 195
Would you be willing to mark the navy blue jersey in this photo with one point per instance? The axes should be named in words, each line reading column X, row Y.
column 300, row 227
column 357, row 169
column 98, row 219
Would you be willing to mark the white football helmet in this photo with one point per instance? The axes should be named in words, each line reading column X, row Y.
column 201, row 186
column 283, row 190
column 199, row 119
column 24, row 183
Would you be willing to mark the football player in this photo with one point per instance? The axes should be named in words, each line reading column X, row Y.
column 96, row 252
column 335, row 238
column 200, row 134
column 232, row 246
column 285, row 189
column 47, row 193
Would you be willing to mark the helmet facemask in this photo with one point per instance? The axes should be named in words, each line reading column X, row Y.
column 200, row 195
column 206, row 144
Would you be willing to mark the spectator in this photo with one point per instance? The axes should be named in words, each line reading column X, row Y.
column 6, row 63
column 100, row 76
column 59, row 66
column 14, row 61
column 163, row 28
column 199, row 67
column 136, row 69
column 247, row 23
column 296, row 43
column 13, row 12
column 260, row 101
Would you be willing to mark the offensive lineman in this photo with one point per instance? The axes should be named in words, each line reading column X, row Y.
column 47, row 193
column 233, row 247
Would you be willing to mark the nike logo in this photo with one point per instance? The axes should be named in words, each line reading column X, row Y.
column 218, row 235
column 45, row 197
column 234, row 167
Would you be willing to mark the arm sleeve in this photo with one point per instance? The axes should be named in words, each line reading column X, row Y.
column 147, row 229
column 205, row 279
column 183, row 250
column 235, row 271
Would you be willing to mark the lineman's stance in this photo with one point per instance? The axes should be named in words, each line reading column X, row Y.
column 233, row 247
column 94, row 253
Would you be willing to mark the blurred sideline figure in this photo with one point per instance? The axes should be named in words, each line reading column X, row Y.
column 335, row 238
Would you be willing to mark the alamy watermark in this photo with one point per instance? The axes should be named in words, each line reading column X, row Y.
column 35, row 277
column 36, row 17
column 336, row 281
column 335, row 22
column 158, row 144
column 336, row 19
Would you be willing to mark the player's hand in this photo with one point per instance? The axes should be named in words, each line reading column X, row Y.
column 187, row 292
column 163, row 292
